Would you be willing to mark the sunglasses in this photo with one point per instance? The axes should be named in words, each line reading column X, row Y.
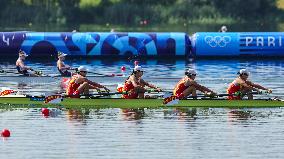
column 245, row 74
column 191, row 75
column 83, row 71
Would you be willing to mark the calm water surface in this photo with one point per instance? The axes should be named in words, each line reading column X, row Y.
column 214, row 73
column 145, row 133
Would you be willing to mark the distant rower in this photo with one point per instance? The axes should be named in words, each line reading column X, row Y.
column 135, row 85
column 188, row 86
column 243, row 86
column 21, row 67
column 223, row 29
column 61, row 66
column 79, row 84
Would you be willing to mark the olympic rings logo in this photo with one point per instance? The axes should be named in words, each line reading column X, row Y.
column 215, row 41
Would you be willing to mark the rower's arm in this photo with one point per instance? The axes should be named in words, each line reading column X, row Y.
column 61, row 65
column 248, row 85
column 256, row 85
column 149, row 85
column 201, row 88
column 97, row 85
column 94, row 83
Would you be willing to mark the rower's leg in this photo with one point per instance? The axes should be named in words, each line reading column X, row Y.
column 190, row 90
column 248, row 92
column 84, row 88
column 140, row 92
column 141, row 95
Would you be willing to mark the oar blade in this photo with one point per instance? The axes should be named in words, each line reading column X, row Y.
column 170, row 100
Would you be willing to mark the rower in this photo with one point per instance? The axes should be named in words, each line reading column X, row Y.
column 79, row 84
column 242, row 86
column 188, row 86
column 21, row 67
column 62, row 67
column 135, row 85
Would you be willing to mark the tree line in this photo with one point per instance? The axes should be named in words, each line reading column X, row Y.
column 138, row 12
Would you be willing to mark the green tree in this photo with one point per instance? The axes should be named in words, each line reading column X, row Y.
column 70, row 10
column 246, row 10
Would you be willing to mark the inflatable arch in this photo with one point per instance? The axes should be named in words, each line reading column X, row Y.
column 96, row 43
column 143, row 44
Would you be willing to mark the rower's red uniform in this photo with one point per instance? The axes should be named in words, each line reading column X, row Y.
column 129, row 88
column 72, row 88
column 180, row 87
column 233, row 88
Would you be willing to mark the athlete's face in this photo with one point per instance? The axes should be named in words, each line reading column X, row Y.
column 244, row 76
column 83, row 73
column 139, row 73
column 192, row 76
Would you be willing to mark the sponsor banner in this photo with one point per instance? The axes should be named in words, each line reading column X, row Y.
column 238, row 43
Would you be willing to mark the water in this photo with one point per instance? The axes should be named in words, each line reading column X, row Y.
column 144, row 133
column 147, row 133
column 214, row 73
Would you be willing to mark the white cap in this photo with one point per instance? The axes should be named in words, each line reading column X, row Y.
column 224, row 28
column 61, row 54
column 138, row 68
column 242, row 71
column 82, row 68
column 190, row 72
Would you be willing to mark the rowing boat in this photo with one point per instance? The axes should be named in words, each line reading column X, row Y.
column 139, row 103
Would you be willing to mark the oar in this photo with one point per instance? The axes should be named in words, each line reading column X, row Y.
column 172, row 100
column 243, row 94
column 5, row 71
column 87, row 96
column 100, row 74
column 101, row 94
column 106, row 75
column 225, row 95
column 36, row 73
